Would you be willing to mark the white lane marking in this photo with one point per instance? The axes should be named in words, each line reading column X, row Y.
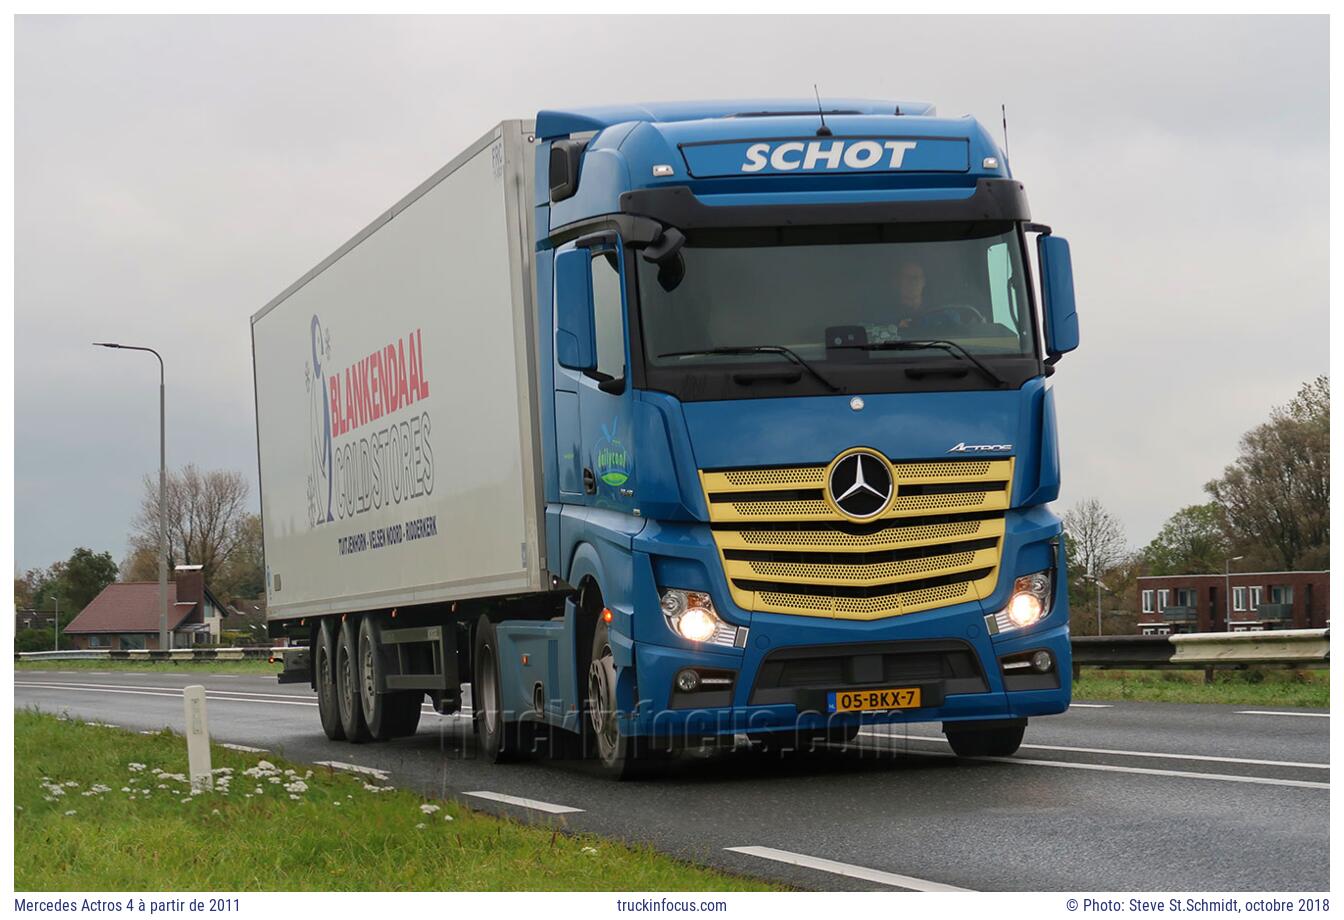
column 355, row 768
column 1090, row 706
column 1153, row 754
column 1145, row 771
column 839, row 868
column 96, row 686
column 1267, row 712
column 525, row 803
column 212, row 696
column 245, row 748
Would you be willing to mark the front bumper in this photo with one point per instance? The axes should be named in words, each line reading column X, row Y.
column 947, row 652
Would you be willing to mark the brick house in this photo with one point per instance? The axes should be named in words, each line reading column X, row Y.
column 1259, row 600
column 125, row 614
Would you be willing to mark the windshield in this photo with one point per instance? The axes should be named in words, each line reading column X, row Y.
column 841, row 298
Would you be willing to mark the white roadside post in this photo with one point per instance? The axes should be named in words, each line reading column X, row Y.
column 198, row 739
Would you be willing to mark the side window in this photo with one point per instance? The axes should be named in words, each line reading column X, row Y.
column 1147, row 601
column 1002, row 295
column 1239, row 598
column 607, row 315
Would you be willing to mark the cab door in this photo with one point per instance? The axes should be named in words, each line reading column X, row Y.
column 594, row 403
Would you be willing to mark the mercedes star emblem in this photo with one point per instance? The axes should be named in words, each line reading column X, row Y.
column 860, row 484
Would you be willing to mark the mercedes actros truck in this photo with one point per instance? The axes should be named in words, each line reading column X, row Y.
column 667, row 424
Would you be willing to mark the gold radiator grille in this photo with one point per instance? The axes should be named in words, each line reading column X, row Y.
column 786, row 549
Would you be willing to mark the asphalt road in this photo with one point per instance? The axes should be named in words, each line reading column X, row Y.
column 1124, row 796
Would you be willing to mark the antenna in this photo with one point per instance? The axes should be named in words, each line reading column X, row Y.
column 823, row 131
column 1004, row 109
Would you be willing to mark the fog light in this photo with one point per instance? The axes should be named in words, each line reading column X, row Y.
column 687, row 680
column 1025, row 609
column 1042, row 661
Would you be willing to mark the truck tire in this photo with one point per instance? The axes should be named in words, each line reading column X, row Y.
column 384, row 712
column 618, row 755
column 985, row 741
column 500, row 739
column 347, row 684
column 403, row 711
column 324, row 676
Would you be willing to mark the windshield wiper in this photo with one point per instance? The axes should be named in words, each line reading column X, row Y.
column 946, row 345
column 756, row 350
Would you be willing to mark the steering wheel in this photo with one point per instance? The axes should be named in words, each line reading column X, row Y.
column 957, row 309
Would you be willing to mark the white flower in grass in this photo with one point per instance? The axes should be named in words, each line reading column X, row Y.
column 214, row 811
column 72, row 784
column 337, row 804
column 429, row 809
column 265, row 765
column 49, row 798
column 447, row 817
column 163, row 785
column 294, row 797
column 186, row 800
column 157, row 770
column 418, row 827
column 297, row 786
column 70, row 812
column 125, row 788
column 273, row 779
column 589, row 851
column 136, row 767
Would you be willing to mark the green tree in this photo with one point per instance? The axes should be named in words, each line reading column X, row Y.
column 1192, row 540
column 85, row 575
column 1275, row 497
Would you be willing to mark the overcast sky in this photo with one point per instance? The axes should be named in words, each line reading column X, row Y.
column 174, row 174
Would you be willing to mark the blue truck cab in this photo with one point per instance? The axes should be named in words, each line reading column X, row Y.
column 799, row 438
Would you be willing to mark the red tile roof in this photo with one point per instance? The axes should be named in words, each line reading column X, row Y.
column 130, row 607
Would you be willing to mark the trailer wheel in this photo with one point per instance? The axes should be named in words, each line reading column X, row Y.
column 377, row 707
column 620, row 756
column 347, row 684
column 324, row 675
column 985, row 742
column 403, row 712
column 500, row 739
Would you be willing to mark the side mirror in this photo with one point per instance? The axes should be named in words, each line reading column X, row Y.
column 1061, row 313
column 575, row 343
column 665, row 252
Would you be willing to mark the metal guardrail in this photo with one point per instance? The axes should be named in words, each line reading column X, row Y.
column 1284, row 648
column 182, row 654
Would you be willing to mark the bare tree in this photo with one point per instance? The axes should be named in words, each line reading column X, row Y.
column 207, row 520
column 1095, row 537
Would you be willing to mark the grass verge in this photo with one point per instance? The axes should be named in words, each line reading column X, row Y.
column 1257, row 687
column 124, row 820
column 161, row 667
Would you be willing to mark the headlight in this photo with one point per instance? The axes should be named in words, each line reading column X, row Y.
column 690, row 614
column 1027, row 605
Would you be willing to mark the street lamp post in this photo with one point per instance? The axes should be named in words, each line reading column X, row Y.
column 1227, row 587
column 165, row 641
column 56, row 627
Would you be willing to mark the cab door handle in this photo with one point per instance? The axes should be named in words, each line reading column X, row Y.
column 589, row 482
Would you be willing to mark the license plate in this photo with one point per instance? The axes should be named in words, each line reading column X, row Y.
column 874, row 700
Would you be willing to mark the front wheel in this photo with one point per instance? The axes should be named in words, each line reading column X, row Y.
column 619, row 755
column 982, row 741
